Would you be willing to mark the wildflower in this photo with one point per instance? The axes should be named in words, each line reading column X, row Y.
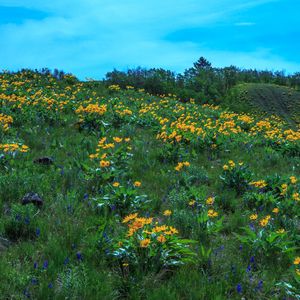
column 129, row 218
column 117, row 139
column 297, row 260
column 253, row 217
column 239, row 288
column 225, row 167
column 79, row 256
column 231, row 163
column 284, row 187
column 210, row 201
column 211, row 213
column 293, row 179
column 116, row 184
column 280, row 231
column 259, row 184
column 167, row 213
column 296, row 196
column 192, row 202
column 45, row 264
column 137, row 183
column 104, row 163
column 264, row 222
column 145, row 243
column 66, row 261
column 37, row 232
column 161, row 239
column 275, row 210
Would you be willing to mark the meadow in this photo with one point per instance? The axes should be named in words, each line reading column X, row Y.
column 118, row 194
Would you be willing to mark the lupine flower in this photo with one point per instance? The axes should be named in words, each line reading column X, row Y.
column 37, row 232
column 239, row 288
column 45, row 264
column 79, row 256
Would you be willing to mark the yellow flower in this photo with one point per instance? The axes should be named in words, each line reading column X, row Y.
column 275, row 210
column 231, row 163
column 225, row 167
column 117, row 139
column 253, row 217
column 104, row 163
column 116, row 184
column 145, row 243
column 210, row 201
column 211, row 213
column 129, row 218
column 259, row 184
column 280, row 230
column 192, row 202
column 161, row 239
column 167, row 213
column 296, row 196
column 264, row 222
column 137, row 183
column 297, row 260
column 293, row 179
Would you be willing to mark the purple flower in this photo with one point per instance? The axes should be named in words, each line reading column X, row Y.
column 27, row 220
column 37, row 232
column 239, row 288
column 50, row 285
column 66, row 261
column 45, row 264
column 35, row 265
column 259, row 286
column 248, row 269
column 252, row 227
column 79, row 256
column 34, row 281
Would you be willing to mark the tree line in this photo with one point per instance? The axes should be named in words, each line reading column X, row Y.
column 202, row 81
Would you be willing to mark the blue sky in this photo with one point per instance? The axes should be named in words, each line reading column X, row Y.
column 91, row 37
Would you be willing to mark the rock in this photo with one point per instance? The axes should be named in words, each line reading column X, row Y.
column 44, row 161
column 33, row 198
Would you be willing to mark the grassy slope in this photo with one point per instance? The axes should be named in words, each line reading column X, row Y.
column 69, row 224
column 268, row 98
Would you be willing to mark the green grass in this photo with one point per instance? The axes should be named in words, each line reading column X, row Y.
column 268, row 98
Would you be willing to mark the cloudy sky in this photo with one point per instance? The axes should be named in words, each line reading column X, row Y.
column 91, row 37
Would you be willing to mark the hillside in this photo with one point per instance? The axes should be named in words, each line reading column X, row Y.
column 110, row 193
column 268, row 98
